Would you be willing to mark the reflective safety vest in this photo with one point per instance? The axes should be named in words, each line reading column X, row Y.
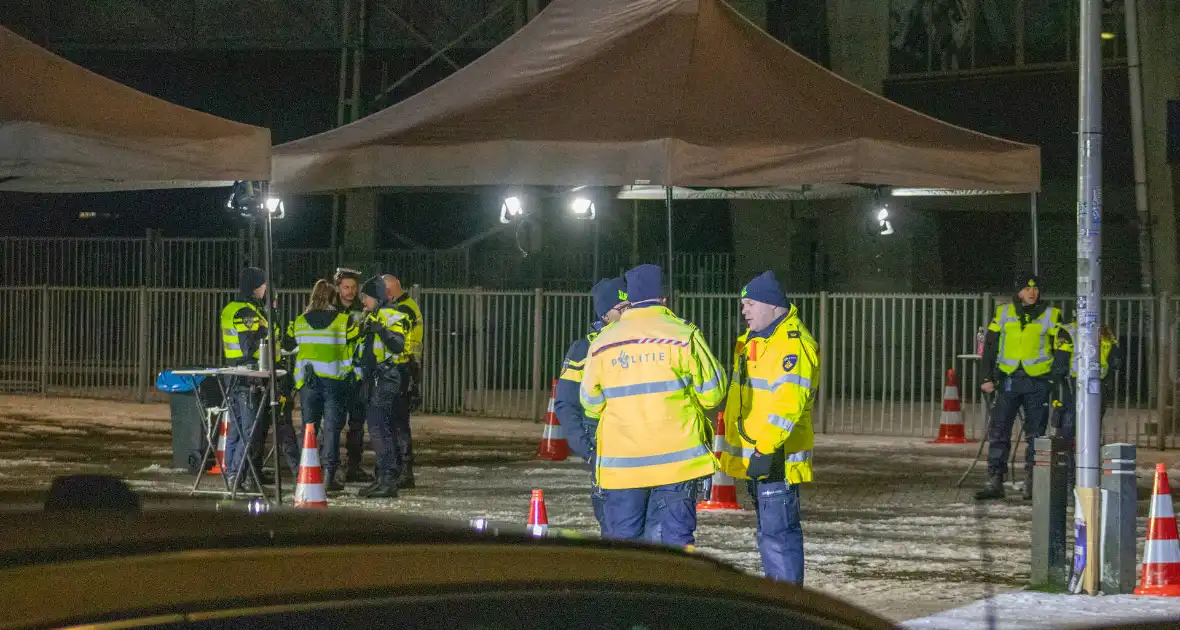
column 1029, row 347
column 232, row 325
column 356, row 319
column 326, row 352
column 1065, row 342
column 414, row 337
column 648, row 380
column 774, row 383
column 392, row 320
column 571, row 369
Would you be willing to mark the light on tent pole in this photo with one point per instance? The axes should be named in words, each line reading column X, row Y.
column 267, row 245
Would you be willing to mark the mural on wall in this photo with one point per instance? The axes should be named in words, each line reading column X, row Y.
column 948, row 35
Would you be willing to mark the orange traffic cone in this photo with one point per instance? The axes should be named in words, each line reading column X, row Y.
column 538, row 522
column 723, row 493
column 554, row 446
column 1161, row 555
column 223, row 433
column 309, row 490
column 950, row 429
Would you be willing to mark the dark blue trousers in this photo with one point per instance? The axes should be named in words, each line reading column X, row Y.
column 780, row 533
column 663, row 514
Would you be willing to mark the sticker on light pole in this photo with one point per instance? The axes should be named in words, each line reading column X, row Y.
column 1079, row 545
column 1094, row 386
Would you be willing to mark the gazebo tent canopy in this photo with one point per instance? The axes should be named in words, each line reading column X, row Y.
column 683, row 93
column 66, row 129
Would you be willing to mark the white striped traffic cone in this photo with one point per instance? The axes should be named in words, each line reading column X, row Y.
column 554, row 447
column 309, row 490
column 1161, row 555
column 222, row 434
column 723, row 493
column 950, row 428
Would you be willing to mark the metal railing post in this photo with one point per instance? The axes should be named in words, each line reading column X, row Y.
column 44, row 367
column 538, row 340
column 1164, row 350
column 821, row 405
column 143, row 344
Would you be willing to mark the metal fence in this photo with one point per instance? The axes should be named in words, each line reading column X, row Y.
column 496, row 353
column 214, row 263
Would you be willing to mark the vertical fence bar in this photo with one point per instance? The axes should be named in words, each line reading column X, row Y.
column 538, row 339
column 822, row 389
column 1164, row 392
column 143, row 339
column 44, row 367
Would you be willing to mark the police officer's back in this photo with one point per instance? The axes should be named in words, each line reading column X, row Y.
column 649, row 379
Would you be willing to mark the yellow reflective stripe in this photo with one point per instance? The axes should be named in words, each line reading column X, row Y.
column 572, row 375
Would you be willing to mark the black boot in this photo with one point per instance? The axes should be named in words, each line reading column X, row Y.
column 993, row 489
column 333, row 481
column 354, row 473
column 384, row 488
column 406, row 479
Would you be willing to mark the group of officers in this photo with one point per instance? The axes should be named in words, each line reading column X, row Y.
column 635, row 392
column 353, row 357
column 1028, row 364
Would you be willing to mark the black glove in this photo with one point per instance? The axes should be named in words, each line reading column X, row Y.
column 759, row 465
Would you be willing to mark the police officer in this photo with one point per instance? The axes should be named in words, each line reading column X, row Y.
column 243, row 333
column 324, row 375
column 610, row 299
column 348, row 282
column 1017, row 366
column 648, row 380
column 409, row 365
column 1066, row 372
column 383, row 337
column 768, row 434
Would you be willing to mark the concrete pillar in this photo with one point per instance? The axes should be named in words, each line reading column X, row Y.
column 1159, row 23
column 360, row 228
column 858, row 41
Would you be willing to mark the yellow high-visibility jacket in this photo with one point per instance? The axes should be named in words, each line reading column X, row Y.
column 770, row 395
column 1065, row 343
column 1030, row 346
column 648, row 380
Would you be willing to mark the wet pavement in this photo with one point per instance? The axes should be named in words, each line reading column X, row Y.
column 884, row 525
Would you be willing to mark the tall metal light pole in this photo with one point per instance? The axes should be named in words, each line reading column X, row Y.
column 1088, row 385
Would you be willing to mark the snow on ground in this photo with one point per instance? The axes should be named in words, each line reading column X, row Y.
column 1037, row 611
column 885, row 527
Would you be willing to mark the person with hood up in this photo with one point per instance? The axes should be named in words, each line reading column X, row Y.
column 323, row 373
column 243, row 333
column 610, row 300
column 382, row 338
column 1018, row 357
column 348, row 300
column 648, row 381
